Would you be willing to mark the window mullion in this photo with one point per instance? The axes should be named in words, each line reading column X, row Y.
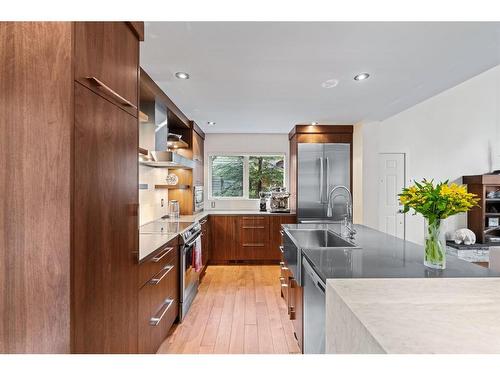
column 246, row 178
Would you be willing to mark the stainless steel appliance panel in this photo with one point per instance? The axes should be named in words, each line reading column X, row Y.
column 311, row 184
column 314, row 310
column 198, row 198
column 190, row 279
column 321, row 166
column 338, row 172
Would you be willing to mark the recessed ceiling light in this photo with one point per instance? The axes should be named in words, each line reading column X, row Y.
column 314, row 123
column 329, row 83
column 182, row 75
column 361, row 77
column 211, row 123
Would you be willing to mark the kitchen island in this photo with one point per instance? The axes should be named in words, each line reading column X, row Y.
column 413, row 316
column 314, row 257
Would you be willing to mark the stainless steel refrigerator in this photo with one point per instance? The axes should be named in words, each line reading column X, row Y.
column 321, row 166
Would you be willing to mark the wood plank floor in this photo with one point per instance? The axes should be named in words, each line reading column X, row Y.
column 238, row 310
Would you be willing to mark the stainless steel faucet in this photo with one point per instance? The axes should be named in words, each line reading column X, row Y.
column 349, row 228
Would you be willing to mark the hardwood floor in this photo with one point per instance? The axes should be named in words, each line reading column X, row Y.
column 238, row 310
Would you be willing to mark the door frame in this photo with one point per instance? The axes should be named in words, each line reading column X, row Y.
column 405, row 173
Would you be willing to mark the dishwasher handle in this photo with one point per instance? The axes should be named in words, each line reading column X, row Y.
column 309, row 271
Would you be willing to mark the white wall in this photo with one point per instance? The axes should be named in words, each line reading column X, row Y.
column 452, row 134
column 150, row 199
column 244, row 143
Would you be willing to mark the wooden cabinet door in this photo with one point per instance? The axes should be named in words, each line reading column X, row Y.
column 198, row 151
column 159, row 299
column 224, row 238
column 107, row 61
column 105, row 252
column 205, row 240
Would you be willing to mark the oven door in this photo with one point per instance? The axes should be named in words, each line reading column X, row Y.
column 190, row 279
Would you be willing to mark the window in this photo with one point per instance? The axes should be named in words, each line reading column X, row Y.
column 244, row 176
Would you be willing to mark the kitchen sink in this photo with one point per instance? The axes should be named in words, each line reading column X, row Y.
column 318, row 238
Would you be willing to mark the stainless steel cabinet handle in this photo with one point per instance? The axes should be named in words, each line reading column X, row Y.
column 282, row 232
column 111, row 92
column 155, row 320
column 160, row 256
column 164, row 272
column 327, row 176
column 283, row 266
column 283, row 284
column 282, row 250
column 203, row 222
column 320, row 180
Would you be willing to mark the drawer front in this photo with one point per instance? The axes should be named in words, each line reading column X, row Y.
column 107, row 61
column 254, row 222
column 254, row 237
column 284, row 280
column 152, row 266
column 158, row 307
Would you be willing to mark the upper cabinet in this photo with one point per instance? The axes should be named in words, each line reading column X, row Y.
column 107, row 60
column 198, row 137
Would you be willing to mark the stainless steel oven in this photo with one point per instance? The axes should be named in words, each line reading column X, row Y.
column 198, row 198
column 190, row 279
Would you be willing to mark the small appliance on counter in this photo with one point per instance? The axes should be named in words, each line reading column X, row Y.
column 198, row 198
column 279, row 201
column 263, row 201
column 173, row 209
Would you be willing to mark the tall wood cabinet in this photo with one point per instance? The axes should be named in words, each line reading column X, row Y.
column 484, row 219
column 69, row 169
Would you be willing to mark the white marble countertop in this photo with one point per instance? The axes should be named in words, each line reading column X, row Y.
column 413, row 316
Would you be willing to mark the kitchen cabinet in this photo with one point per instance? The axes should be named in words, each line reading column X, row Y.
column 105, row 226
column 247, row 238
column 295, row 305
column 158, row 297
column 77, row 150
column 205, row 243
column 107, row 61
column 224, row 236
column 198, row 150
column 276, row 235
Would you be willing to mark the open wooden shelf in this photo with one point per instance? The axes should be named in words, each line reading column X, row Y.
column 178, row 186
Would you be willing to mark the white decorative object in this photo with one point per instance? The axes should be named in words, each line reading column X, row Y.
column 172, row 179
column 465, row 236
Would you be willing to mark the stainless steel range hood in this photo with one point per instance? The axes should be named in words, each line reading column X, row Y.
column 164, row 157
column 168, row 159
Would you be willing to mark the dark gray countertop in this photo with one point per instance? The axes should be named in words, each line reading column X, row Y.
column 380, row 256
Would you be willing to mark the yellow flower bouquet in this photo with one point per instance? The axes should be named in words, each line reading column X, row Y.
column 435, row 203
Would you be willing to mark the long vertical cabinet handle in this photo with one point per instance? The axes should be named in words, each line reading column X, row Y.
column 327, row 184
column 321, row 180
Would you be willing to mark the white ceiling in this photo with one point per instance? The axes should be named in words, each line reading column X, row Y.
column 255, row 77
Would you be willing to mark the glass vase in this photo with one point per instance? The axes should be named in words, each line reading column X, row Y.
column 435, row 245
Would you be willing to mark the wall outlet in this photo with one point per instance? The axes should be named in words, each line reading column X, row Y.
column 212, row 204
column 162, row 202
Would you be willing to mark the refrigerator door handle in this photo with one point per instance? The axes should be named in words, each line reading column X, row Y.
column 321, row 180
column 327, row 184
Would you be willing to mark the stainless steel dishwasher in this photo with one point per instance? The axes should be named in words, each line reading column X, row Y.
column 314, row 310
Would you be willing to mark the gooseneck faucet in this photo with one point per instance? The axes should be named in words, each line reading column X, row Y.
column 349, row 228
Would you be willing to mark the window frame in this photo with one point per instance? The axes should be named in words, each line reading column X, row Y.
column 246, row 175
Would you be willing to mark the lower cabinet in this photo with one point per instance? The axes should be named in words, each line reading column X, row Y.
column 158, row 297
column 224, row 235
column 252, row 238
column 295, row 309
column 205, row 243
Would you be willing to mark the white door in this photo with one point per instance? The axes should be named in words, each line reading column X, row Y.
column 391, row 220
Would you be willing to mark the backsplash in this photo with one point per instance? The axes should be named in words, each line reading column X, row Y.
column 150, row 199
